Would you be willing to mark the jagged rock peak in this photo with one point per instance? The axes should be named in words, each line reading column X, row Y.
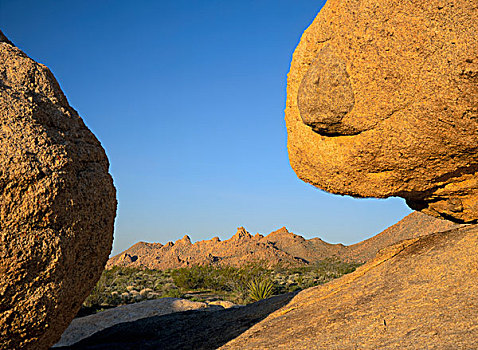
column 185, row 240
column 282, row 231
column 241, row 233
column 146, row 245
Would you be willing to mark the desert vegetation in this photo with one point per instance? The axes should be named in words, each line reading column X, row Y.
column 240, row 285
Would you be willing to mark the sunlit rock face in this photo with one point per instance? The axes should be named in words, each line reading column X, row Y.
column 382, row 100
column 420, row 293
column 57, row 205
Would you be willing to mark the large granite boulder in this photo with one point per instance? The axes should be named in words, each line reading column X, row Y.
column 382, row 100
column 57, row 205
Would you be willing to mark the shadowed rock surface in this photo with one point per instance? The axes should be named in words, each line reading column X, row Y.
column 382, row 100
column 57, row 205
column 84, row 327
column 280, row 246
column 183, row 330
column 420, row 293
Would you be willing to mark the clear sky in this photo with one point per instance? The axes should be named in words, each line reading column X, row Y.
column 187, row 98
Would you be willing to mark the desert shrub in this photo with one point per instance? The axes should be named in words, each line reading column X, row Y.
column 174, row 293
column 195, row 277
column 97, row 296
column 119, row 285
column 218, row 278
column 100, row 295
column 114, row 284
column 260, row 289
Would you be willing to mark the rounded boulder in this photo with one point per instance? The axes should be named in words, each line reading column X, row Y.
column 382, row 100
column 57, row 205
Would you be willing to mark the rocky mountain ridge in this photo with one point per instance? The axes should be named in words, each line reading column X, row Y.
column 279, row 247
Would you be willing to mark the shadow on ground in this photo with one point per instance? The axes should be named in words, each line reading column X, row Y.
column 183, row 330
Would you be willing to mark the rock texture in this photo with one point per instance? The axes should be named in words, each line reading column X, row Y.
column 421, row 293
column 84, row 327
column 382, row 100
column 182, row 330
column 57, row 205
column 280, row 246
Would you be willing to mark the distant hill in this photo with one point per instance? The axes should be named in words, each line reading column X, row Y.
column 280, row 246
column 413, row 225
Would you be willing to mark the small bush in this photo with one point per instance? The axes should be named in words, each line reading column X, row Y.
column 173, row 293
column 195, row 277
column 260, row 289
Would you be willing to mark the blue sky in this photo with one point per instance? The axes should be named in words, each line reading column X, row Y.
column 187, row 98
